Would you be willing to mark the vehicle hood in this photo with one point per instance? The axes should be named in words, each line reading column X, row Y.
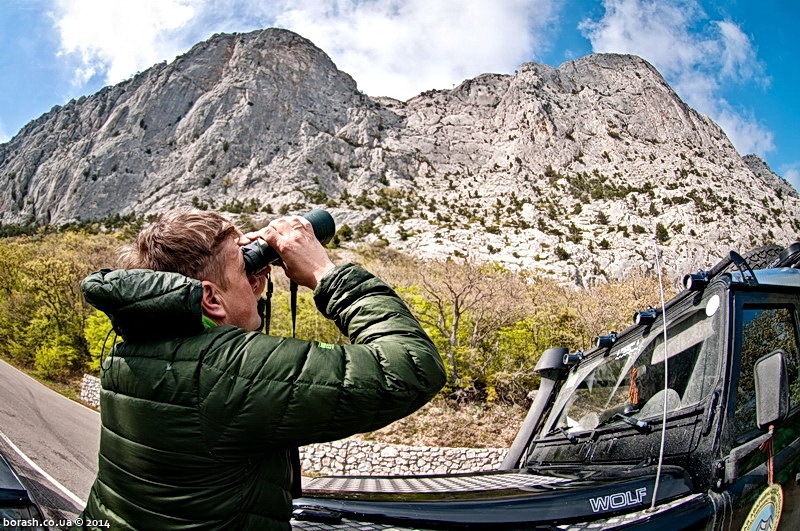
column 551, row 496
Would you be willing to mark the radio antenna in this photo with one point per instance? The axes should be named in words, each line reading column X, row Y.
column 666, row 378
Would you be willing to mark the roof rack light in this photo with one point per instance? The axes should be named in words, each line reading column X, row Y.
column 573, row 358
column 605, row 341
column 646, row 317
column 696, row 281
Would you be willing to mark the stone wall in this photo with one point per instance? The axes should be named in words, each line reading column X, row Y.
column 351, row 457
column 356, row 457
column 90, row 390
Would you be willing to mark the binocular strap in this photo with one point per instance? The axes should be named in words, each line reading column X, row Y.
column 265, row 306
column 293, row 304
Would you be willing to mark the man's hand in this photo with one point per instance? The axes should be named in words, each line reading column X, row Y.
column 304, row 259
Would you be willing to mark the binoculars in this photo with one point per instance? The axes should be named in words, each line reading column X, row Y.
column 258, row 254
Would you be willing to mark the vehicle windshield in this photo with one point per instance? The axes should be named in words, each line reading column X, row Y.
column 628, row 383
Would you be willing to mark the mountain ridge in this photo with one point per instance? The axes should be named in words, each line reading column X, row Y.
column 571, row 171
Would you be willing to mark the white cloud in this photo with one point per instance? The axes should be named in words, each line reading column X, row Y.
column 115, row 39
column 390, row 47
column 744, row 130
column 738, row 56
column 696, row 56
column 791, row 172
column 400, row 48
column 657, row 31
column 4, row 136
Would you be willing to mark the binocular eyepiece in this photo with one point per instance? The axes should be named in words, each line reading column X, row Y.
column 258, row 254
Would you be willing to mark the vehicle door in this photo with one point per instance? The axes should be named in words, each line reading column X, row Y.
column 764, row 322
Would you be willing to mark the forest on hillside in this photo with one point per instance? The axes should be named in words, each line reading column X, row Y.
column 490, row 324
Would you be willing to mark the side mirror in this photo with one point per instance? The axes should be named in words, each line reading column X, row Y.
column 772, row 406
column 772, row 389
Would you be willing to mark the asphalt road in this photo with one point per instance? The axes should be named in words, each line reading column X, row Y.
column 59, row 437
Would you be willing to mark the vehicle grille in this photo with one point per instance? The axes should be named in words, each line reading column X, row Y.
column 420, row 484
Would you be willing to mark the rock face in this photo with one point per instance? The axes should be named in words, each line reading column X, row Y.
column 571, row 171
column 761, row 169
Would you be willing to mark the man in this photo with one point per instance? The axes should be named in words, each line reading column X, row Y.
column 200, row 414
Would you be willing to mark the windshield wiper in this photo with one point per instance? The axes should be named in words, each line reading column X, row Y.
column 640, row 425
column 564, row 430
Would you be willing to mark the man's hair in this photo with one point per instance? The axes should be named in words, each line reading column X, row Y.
column 182, row 242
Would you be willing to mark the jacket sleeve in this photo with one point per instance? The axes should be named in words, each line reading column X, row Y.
column 290, row 392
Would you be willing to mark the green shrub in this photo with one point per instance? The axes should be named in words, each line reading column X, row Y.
column 662, row 234
column 56, row 359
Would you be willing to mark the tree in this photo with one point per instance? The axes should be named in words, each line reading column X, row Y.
column 662, row 234
column 311, row 325
column 42, row 312
column 465, row 303
column 600, row 308
column 99, row 338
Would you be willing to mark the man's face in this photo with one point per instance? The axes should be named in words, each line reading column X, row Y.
column 240, row 298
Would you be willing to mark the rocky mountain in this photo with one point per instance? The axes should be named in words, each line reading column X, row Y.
column 574, row 171
column 762, row 170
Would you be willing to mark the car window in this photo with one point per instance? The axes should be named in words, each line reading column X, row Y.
column 764, row 330
column 630, row 380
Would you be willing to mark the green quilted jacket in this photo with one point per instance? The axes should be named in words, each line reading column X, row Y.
column 198, row 423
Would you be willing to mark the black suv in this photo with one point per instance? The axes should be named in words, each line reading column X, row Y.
column 695, row 424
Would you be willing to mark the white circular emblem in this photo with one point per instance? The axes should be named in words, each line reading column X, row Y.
column 766, row 511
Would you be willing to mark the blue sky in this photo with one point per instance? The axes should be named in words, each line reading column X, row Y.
column 736, row 61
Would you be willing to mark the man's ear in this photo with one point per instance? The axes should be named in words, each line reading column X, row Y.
column 212, row 302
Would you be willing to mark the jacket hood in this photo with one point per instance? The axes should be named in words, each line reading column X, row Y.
column 145, row 305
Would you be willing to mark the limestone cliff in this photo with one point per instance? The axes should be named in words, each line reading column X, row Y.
column 572, row 171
